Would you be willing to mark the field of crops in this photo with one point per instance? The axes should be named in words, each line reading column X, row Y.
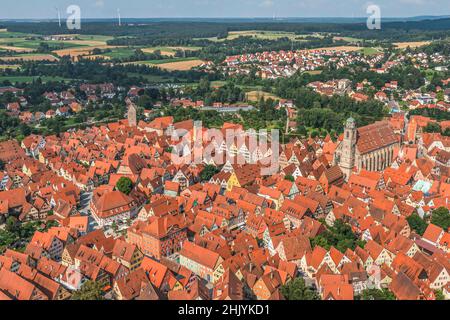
column 180, row 64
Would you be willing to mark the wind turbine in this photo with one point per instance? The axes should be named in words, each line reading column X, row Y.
column 59, row 16
column 118, row 16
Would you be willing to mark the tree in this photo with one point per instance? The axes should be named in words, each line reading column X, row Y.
column 297, row 290
column 321, row 242
column 12, row 224
column 439, row 295
column 441, row 218
column 90, row 290
column 376, row 294
column 301, row 130
column 124, row 185
column 2, row 165
column 416, row 223
column 432, row 127
column 144, row 101
column 340, row 236
column 208, row 172
column 289, row 177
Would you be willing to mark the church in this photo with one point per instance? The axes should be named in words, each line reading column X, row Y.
column 370, row 147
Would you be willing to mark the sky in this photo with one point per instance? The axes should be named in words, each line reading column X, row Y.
column 44, row 9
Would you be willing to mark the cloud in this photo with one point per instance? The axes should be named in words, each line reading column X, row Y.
column 99, row 3
column 414, row 2
column 267, row 3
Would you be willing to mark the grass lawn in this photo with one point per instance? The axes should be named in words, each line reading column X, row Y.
column 370, row 51
column 245, row 88
column 9, row 66
column 255, row 96
column 218, row 83
column 120, row 53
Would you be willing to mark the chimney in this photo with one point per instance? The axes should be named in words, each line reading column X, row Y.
column 251, row 267
column 272, row 275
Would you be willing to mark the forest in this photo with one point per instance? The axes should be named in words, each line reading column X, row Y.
column 179, row 32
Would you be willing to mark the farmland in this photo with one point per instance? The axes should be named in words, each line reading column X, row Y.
column 22, row 43
column 255, row 96
column 120, row 53
column 339, row 48
column 370, row 51
column 416, row 44
column 169, row 51
column 30, row 57
column 181, row 64
column 80, row 51
column 29, row 79
column 264, row 35
column 78, row 45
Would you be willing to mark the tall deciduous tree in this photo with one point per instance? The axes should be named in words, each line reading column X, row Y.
column 376, row 294
column 208, row 172
column 124, row 185
column 90, row 290
column 416, row 223
column 297, row 290
column 441, row 218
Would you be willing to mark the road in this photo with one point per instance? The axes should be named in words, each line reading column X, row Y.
column 85, row 199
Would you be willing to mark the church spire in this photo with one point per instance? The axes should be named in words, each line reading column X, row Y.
column 348, row 155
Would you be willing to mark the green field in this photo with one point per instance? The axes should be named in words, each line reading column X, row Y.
column 152, row 78
column 29, row 79
column 162, row 61
column 120, row 53
column 348, row 39
column 7, row 34
column 171, row 49
column 265, row 35
column 370, row 51
column 34, row 44
column 87, row 37
column 168, row 60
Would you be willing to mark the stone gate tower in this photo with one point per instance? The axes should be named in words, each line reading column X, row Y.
column 132, row 114
column 348, row 153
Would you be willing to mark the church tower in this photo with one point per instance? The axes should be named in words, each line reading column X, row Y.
column 132, row 111
column 348, row 152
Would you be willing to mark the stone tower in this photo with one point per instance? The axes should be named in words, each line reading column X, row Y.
column 348, row 153
column 132, row 111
